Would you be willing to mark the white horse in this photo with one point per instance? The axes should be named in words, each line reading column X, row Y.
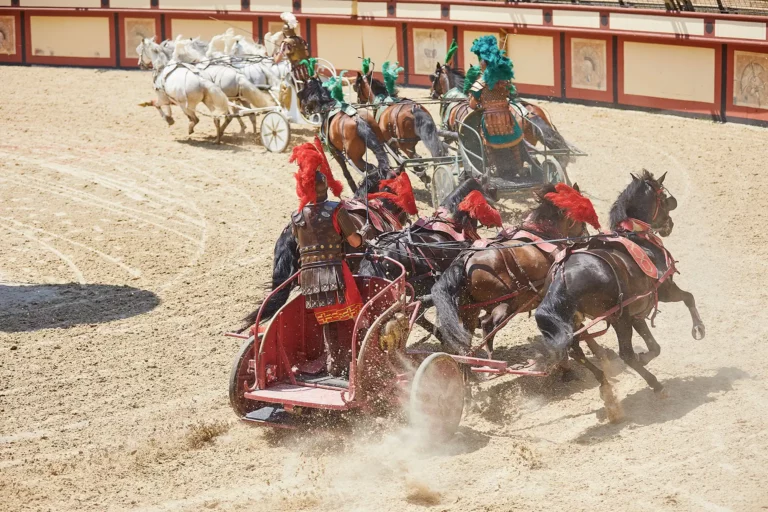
column 236, row 85
column 177, row 84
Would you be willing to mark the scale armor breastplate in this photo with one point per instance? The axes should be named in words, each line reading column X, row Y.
column 495, row 103
column 296, row 49
column 321, row 250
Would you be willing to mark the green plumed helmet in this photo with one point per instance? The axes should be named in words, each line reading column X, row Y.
column 390, row 72
column 366, row 65
column 451, row 51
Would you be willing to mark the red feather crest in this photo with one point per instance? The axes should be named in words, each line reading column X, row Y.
column 479, row 209
column 576, row 206
column 311, row 158
column 401, row 193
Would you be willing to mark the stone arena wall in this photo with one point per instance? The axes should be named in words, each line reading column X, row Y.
column 704, row 64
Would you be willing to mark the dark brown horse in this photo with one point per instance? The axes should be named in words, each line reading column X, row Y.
column 428, row 247
column 502, row 278
column 448, row 84
column 286, row 253
column 603, row 279
column 348, row 137
column 403, row 122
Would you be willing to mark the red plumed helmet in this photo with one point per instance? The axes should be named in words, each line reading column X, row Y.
column 576, row 206
column 401, row 193
column 479, row 209
column 310, row 158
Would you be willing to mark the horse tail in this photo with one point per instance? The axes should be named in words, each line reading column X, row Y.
column 286, row 263
column 554, row 315
column 251, row 92
column 365, row 132
column 425, row 128
column 445, row 295
column 549, row 136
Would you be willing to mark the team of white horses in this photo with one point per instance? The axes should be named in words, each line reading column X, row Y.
column 227, row 74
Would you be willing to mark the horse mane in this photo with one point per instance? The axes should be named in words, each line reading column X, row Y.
column 379, row 89
column 544, row 216
column 314, row 89
column 456, row 77
column 628, row 205
column 451, row 202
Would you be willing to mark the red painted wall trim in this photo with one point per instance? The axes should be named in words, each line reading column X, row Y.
column 110, row 61
column 588, row 94
column 672, row 104
column 17, row 58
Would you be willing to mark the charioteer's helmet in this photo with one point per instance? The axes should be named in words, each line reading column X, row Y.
column 314, row 177
column 290, row 24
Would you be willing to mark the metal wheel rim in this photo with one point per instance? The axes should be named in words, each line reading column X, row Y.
column 437, row 397
column 442, row 185
column 275, row 132
column 239, row 375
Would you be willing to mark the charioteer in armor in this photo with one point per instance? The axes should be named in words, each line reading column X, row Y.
column 491, row 93
column 321, row 228
column 294, row 48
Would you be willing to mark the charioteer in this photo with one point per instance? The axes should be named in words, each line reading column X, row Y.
column 321, row 228
column 294, row 48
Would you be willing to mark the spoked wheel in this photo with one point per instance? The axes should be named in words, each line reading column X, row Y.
column 240, row 378
column 275, row 132
column 442, row 185
column 437, row 397
column 553, row 172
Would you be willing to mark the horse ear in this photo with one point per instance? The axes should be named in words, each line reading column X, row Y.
column 576, row 187
column 437, row 67
column 154, row 39
column 634, row 178
column 661, row 179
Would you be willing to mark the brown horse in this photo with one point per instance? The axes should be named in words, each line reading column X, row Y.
column 448, row 84
column 503, row 278
column 348, row 137
column 403, row 122
column 619, row 282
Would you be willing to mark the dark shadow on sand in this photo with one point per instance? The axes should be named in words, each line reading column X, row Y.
column 26, row 308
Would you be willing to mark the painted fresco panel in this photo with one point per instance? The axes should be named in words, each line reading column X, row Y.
column 588, row 64
column 669, row 71
column 206, row 29
column 69, row 36
column 342, row 44
column 533, row 58
column 429, row 47
column 7, row 35
column 750, row 79
column 135, row 30
column 207, row 5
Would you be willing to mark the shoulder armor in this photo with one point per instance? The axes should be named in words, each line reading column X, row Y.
column 478, row 85
column 298, row 219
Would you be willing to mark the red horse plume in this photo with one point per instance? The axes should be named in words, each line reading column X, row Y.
column 401, row 193
column 478, row 208
column 310, row 158
column 576, row 206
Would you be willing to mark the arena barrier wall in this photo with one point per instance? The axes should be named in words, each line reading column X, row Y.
column 690, row 63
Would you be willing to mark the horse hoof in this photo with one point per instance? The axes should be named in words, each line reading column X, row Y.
column 662, row 394
column 170, row 121
column 698, row 332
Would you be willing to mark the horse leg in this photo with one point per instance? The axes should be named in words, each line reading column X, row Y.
column 623, row 328
column 653, row 347
column 490, row 322
column 240, row 121
column 670, row 292
column 612, row 404
column 344, row 169
column 252, row 117
column 193, row 119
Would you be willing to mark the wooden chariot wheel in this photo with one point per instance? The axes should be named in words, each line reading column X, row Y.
column 437, row 398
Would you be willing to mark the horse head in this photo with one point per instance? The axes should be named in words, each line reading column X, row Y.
column 313, row 98
column 362, row 87
column 645, row 199
column 150, row 54
column 440, row 82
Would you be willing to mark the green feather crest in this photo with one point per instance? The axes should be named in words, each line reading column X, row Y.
column 451, row 51
column 390, row 72
column 473, row 73
column 367, row 66
column 335, row 86
column 311, row 64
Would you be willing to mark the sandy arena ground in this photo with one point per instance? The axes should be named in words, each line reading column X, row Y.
column 138, row 246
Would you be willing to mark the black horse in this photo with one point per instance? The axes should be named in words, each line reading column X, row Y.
column 602, row 276
column 347, row 132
